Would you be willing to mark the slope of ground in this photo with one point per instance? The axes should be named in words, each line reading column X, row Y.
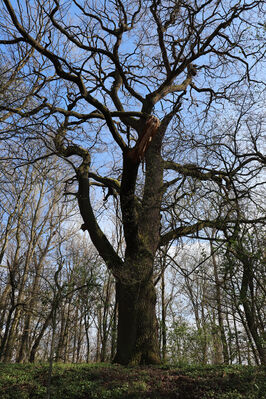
column 103, row 381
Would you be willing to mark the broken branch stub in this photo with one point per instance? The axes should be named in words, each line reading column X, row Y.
column 137, row 153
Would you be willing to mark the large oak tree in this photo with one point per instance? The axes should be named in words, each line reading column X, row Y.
column 137, row 80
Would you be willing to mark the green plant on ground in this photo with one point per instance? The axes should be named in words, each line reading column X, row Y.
column 105, row 381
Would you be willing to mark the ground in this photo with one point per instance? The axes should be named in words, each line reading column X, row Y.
column 103, row 381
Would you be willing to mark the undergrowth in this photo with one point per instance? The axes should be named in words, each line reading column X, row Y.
column 105, row 381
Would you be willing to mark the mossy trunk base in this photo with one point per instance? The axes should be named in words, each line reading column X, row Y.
column 137, row 339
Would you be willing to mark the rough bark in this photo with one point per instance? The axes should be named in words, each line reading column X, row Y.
column 163, row 315
column 137, row 341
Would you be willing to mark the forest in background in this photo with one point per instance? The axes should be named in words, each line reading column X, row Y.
column 55, row 289
column 57, row 298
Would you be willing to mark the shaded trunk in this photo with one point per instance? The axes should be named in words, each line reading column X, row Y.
column 38, row 339
column 98, row 342
column 10, row 341
column 220, row 309
column 253, row 330
column 114, row 331
column 106, row 322
column 137, row 340
column 248, row 305
column 238, row 349
column 4, row 340
column 87, row 326
column 249, row 336
column 163, row 318
column 217, row 357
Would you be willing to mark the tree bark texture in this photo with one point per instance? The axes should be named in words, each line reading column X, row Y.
column 137, row 340
column 137, row 336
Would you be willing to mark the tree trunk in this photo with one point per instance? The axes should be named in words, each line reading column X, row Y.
column 251, row 317
column 238, row 348
column 38, row 339
column 137, row 336
column 10, row 343
column 114, row 331
column 218, row 298
column 106, row 323
column 87, row 326
column 137, row 340
column 4, row 339
column 163, row 321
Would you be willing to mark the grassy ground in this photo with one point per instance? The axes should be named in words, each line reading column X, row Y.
column 103, row 381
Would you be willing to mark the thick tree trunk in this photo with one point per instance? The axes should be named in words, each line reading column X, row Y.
column 137, row 335
column 163, row 321
column 137, row 340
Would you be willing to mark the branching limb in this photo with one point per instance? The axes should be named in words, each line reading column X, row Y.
column 219, row 224
column 193, row 170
